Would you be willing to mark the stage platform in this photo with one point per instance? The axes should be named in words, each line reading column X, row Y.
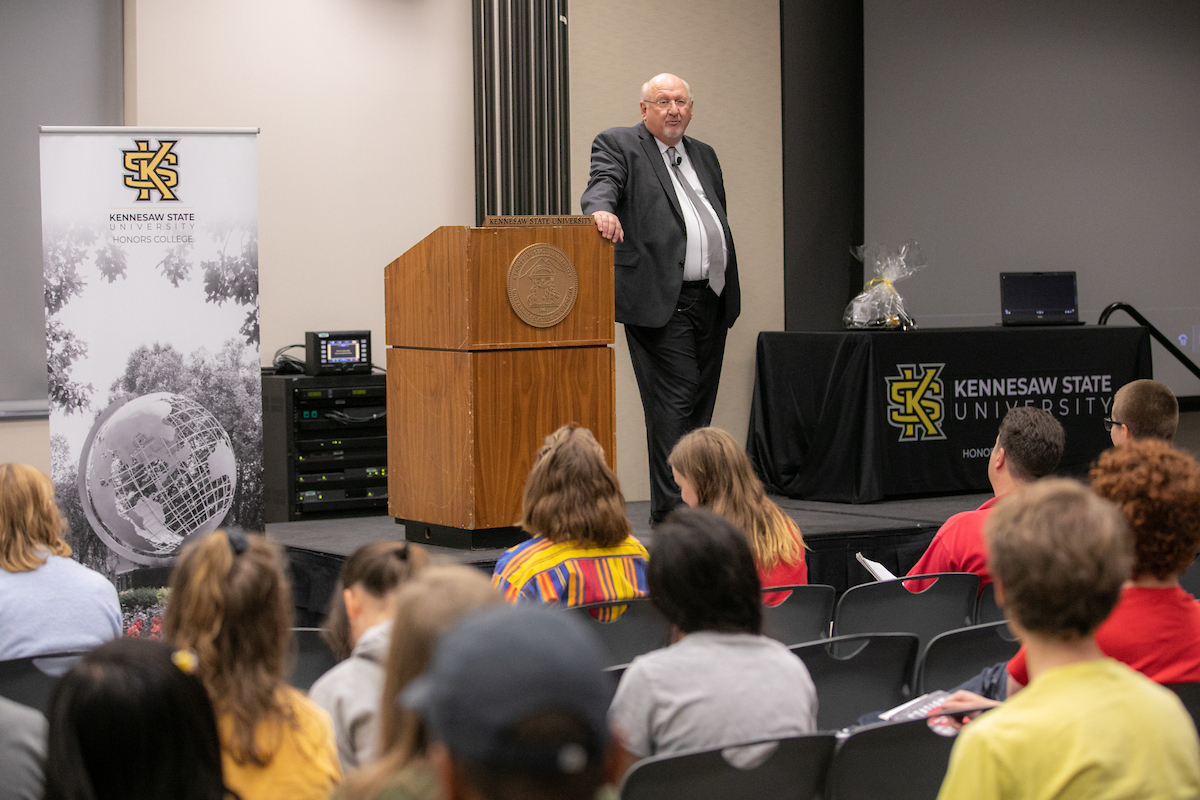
column 894, row 532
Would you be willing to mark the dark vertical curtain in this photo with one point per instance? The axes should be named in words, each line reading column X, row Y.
column 522, row 110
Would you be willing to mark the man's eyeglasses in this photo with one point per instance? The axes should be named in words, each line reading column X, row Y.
column 1109, row 422
column 665, row 104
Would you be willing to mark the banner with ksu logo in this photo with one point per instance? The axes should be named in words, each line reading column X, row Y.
column 150, row 246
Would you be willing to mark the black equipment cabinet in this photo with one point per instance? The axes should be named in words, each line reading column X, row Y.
column 324, row 446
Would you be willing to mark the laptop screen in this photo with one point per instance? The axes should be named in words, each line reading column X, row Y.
column 1038, row 298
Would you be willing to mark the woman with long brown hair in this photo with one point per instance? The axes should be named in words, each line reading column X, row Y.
column 231, row 604
column 582, row 548
column 49, row 603
column 713, row 472
column 426, row 607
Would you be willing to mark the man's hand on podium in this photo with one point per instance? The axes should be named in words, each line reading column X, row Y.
column 609, row 225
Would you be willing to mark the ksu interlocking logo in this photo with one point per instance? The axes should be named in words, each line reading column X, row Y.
column 150, row 170
column 915, row 402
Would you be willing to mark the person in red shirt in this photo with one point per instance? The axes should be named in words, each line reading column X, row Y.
column 713, row 472
column 1028, row 447
column 1155, row 627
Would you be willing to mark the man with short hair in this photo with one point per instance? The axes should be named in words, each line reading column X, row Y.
column 1143, row 409
column 1087, row 725
column 515, row 701
column 660, row 197
column 1028, row 447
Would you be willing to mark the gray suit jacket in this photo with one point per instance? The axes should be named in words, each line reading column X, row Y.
column 630, row 179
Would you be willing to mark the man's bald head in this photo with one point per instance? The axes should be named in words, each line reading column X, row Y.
column 664, row 79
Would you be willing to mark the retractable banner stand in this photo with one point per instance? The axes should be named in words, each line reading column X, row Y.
column 150, row 244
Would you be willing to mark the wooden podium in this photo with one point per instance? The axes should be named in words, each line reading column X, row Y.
column 473, row 388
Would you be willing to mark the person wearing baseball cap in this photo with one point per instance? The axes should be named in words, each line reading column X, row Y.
column 516, row 701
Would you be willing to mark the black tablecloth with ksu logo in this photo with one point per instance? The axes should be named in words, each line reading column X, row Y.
column 857, row 416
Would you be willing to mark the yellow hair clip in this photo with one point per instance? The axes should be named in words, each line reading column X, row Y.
column 186, row 661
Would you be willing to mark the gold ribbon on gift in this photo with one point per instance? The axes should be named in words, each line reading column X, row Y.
column 874, row 281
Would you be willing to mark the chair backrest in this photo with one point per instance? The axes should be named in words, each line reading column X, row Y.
column 887, row 606
column 1189, row 693
column 29, row 681
column 860, row 673
column 640, row 629
column 900, row 761
column 803, row 617
column 313, row 658
column 955, row 656
column 1190, row 579
column 794, row 771
column 986, row 609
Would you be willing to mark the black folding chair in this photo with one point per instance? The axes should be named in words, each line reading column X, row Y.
column 887, row 606
column 860, row 673
column 899, row 761
column 986, row 609
column 803, row 617
column 1189, row 693
column 1190, row 579
column 954, row 656
column 640, row 629
column 794, row 771
column 313, row 658
column 30, row 681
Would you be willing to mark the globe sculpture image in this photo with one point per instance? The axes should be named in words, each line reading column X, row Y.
column 156, row 470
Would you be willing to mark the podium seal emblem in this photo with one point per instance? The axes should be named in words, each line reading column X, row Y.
column 542, row 285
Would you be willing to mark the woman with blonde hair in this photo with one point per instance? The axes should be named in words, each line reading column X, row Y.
column 231, row 605
column 582, row 548
column 713, row 472
column 49, row 603
column 426, row 607
column 357, row 630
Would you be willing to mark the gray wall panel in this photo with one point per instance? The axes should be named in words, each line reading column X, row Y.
column 1028, row 135
column 61, row 64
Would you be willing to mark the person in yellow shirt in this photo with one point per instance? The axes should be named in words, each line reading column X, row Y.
column 1087, row 726
column 232, row 606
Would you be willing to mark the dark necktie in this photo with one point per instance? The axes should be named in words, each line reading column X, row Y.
column 714, row 237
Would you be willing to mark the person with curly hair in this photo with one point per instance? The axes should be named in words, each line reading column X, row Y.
column 582, row 549
column 1155, row 627
column 231, row 604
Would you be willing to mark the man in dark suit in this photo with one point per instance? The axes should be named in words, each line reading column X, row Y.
column 660, row 197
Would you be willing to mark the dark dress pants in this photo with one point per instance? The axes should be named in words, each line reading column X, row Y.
column 678, row 367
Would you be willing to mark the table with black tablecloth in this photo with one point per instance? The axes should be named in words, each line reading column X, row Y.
column 857, row 416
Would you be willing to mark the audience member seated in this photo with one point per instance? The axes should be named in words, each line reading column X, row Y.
column 357, row 630
column 49, row 603
column 713, row 472
column 426, row 607
column 22, row 752
column 1087, row 726
column 1028, row 447
column 1143, row 409
column 514, row 701
column 721, row 683
column 1155, row 627
column 582, row 548
column 131, row 721
column 231, row 604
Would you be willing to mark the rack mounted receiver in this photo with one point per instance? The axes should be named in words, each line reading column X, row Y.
column 337, row 352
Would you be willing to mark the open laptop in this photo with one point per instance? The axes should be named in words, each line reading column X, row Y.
column 1039, row 298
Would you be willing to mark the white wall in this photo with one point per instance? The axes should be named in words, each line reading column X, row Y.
column 729, row 53
column 366, row 145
